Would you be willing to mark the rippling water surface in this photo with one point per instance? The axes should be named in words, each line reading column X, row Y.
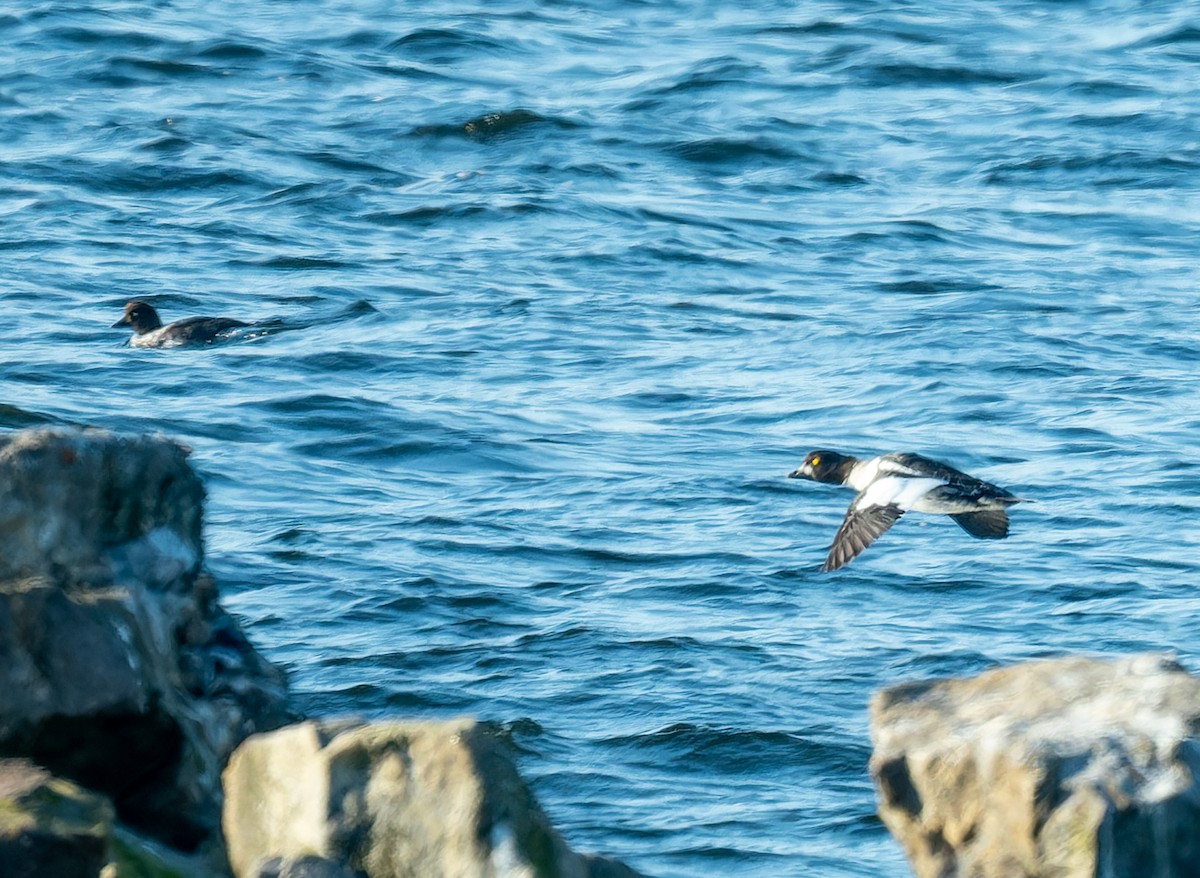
column 561, row 291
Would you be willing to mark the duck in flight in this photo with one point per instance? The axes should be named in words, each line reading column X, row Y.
column 892, row 484
column 149, row 332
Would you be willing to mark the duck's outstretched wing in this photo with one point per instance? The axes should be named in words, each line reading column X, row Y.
column 861, row 527
column 987, row 524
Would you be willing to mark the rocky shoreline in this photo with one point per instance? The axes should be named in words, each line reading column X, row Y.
column 143, row 736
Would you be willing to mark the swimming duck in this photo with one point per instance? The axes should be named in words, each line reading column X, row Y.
column 149, row 332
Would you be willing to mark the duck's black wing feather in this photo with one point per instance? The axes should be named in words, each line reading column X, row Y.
column 200, row 330
column 987, row 524
column 927, row 467
column 859, row 529
column 958, row 485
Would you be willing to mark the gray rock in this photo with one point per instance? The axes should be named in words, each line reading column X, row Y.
column 69, row 497
column 50, row 826
column 393, row 800
column 305, row 867
column 118, row 668
column 1071, row 768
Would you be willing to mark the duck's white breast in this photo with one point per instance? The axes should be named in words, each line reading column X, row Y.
column 901, row 491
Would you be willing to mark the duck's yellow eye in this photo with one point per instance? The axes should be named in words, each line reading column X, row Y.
column 816, row 461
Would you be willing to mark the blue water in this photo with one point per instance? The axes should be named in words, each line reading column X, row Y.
column 564, row 290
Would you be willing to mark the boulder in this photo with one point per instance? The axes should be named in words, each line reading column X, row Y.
column 70, row 497
column 50, row 826
column 391, row 800
column 1071, row 768
column 118, row 668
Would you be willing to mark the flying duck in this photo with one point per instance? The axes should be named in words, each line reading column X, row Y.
column 892, row 484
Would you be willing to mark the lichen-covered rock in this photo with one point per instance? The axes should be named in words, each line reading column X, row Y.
column 118, row 668
column 392, row 800
column 1066, row 768
column 50, row 826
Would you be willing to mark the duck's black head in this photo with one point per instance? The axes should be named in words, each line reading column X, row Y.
column 825, row 466
column 141, row 316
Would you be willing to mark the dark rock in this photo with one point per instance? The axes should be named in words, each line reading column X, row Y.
column 86, row 506
column 118, row 668
column 50, row 826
